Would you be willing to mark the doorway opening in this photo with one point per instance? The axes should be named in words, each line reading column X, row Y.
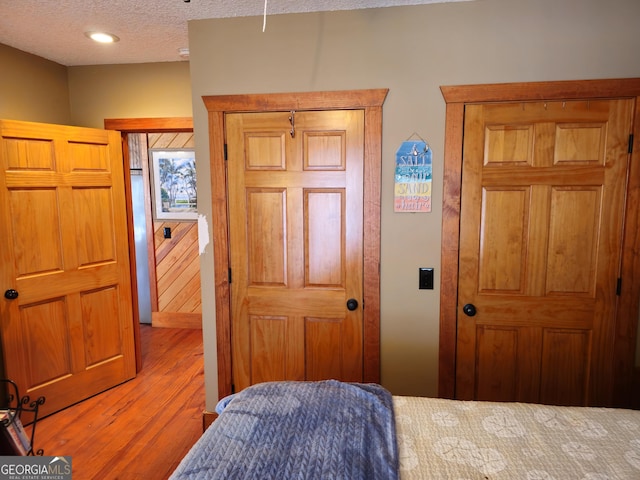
column 169, row 261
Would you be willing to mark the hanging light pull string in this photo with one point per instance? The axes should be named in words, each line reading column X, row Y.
column 264, row 20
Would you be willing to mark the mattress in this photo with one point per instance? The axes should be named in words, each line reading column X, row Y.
column 449, row 439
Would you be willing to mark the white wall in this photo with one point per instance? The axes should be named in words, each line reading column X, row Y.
column 412, row 51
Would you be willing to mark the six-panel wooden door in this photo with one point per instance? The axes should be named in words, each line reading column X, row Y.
column 295, row 199
column 66, row 316
column 543, row 197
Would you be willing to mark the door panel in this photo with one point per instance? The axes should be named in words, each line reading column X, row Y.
column 296, row 209
column 543, row 191
column 564, row 367
column 68, row 335
column 573, row 236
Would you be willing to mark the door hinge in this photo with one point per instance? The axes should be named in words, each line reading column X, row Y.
column 229, row 274
column 225, row 152
column 630, row 143
column 619, row 287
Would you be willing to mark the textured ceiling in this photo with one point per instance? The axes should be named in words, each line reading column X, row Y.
column 149, row 30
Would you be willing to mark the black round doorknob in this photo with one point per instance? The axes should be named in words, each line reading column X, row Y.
column 352, row 304
column 469, row 309
column 11, row 294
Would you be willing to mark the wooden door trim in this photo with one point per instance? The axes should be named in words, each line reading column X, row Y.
column 368, row 100
column 150, row 125
column 456, row 97
column 141, row 125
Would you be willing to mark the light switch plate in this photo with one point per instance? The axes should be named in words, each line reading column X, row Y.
column 425, row 281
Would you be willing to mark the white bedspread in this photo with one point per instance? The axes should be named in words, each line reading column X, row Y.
column 455, row 440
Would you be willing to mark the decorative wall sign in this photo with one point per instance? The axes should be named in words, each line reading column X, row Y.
column 413, row 177
column 174, row 184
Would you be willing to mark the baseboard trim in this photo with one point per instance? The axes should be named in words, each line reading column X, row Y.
column 636, row 390
column 207, row 419
column 176, row 320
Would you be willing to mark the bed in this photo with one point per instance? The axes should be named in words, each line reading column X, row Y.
column 335, row 430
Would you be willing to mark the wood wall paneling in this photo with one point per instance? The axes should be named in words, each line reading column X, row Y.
column 174, row 265
column 177, row 263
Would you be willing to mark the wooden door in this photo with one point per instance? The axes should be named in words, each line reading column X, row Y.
column 295, row 199
column 543, row 198
column 64, row 250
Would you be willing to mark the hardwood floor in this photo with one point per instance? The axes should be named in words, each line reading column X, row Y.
column 141, row 429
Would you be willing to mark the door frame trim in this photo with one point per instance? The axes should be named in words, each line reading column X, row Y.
column 456, row 97
column 368, row 100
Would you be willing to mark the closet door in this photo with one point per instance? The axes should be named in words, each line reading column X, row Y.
column 295, row 204
column 541, row 228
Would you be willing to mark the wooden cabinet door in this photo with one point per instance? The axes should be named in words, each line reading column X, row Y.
column 296, row 241
column 543, row 196
column 64, row 249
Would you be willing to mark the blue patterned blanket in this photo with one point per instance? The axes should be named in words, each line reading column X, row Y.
column 299, row 430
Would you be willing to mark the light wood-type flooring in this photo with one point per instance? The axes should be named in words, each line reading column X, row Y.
column 141, row 429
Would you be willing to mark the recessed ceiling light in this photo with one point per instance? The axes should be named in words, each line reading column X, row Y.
column 102, row 37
